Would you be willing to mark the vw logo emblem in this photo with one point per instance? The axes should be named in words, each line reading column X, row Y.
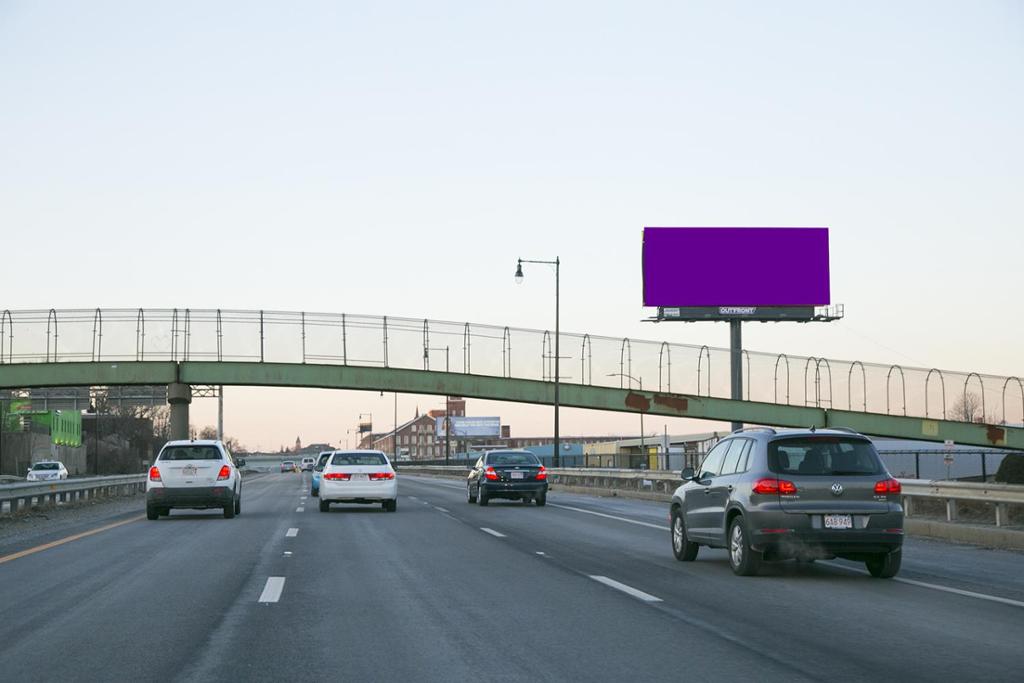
column 837, row 489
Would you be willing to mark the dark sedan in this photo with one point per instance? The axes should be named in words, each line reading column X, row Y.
column 511, row 474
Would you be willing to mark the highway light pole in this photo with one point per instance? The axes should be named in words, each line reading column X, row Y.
column 640, row 382
column 519, row 280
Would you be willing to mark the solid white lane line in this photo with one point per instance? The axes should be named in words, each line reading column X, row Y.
column 628, row 590
column 492, row 532
column 440, row 509
column 300, row 509
column 272, row 591
column 936, row 587
column 659, row 527
column 292, row 533
column 958, row 591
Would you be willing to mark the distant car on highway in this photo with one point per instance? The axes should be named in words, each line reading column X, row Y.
column 514, row 474
column 318, row 469
column 359, row 477
column 793, row 494
column 49, row 470
column 193, row 474
column 289, row 466
column 308, row 463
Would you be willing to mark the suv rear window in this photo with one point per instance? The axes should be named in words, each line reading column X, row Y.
column 824, row 455
column 512, row 459
column 191, row 453
column 358, row 459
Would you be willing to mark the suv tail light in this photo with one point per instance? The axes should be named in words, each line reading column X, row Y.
column 542, row 473
column 888, row 486
column 225, row 472
column 154, row 473
column 337, row 476
column 780, row 487
column 380, row 476
column 491, row 474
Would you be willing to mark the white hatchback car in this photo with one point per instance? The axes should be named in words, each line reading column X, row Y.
column 193, row 474
column 48, row 470
column 359, row 477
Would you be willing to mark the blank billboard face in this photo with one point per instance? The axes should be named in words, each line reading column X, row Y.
column 736, row 267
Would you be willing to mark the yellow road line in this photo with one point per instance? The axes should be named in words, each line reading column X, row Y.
column 62, row 541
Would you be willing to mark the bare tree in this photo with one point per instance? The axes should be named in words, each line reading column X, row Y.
column 968, row 408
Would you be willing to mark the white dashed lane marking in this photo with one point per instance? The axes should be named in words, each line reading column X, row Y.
column 292, row 533
column 272, row 591
column 300, row 509
column 628, row 590
column 492, row 532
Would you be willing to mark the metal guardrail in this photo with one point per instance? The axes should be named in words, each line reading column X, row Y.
column 1001, row 496
column 953, row 492
column 112, row 335
column 16, row 496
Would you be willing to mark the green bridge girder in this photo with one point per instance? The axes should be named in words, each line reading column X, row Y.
column 401, row 380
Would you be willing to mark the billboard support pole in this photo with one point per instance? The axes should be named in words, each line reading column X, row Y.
column 736, row 363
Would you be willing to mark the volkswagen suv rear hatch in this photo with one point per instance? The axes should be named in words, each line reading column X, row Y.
column 832, row 474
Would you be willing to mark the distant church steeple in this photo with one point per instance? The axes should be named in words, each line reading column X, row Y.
column 298, row 444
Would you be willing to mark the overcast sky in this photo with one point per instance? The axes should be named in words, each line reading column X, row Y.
column 396, row 158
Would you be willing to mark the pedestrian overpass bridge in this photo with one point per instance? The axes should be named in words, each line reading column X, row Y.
column 186, row 347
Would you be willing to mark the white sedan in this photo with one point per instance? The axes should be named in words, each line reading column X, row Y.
column 359, row 477
column 51, row 470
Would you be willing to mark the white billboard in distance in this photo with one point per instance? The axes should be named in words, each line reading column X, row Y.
column 469, row 427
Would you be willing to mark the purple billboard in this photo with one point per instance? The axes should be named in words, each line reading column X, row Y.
column 736, row 267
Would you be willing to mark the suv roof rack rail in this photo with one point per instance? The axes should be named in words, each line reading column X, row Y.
column 754, row 429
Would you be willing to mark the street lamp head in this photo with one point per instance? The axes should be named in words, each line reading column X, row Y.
column 519, row 272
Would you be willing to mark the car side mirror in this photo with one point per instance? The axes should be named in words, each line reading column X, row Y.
column 686, row 474
column 240, row 462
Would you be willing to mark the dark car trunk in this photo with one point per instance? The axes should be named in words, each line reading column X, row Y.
column 516, row 472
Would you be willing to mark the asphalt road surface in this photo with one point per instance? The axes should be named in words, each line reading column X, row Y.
column 584, row 589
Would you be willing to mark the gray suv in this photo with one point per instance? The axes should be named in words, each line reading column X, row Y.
column 795, row 494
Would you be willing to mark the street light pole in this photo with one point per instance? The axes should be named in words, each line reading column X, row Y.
column 519, row 279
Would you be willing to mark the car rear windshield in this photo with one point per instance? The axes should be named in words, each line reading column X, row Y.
column 512, row 459
column 824, row 455
column 191, row 453
column 358, row 459
column 46, row 466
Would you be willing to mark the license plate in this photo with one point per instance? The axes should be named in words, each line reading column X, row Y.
column 838, row 521
column 517, row 475
column 360, row 477
column 189, row 470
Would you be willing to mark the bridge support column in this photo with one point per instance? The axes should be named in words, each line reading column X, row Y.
column 179, row 396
